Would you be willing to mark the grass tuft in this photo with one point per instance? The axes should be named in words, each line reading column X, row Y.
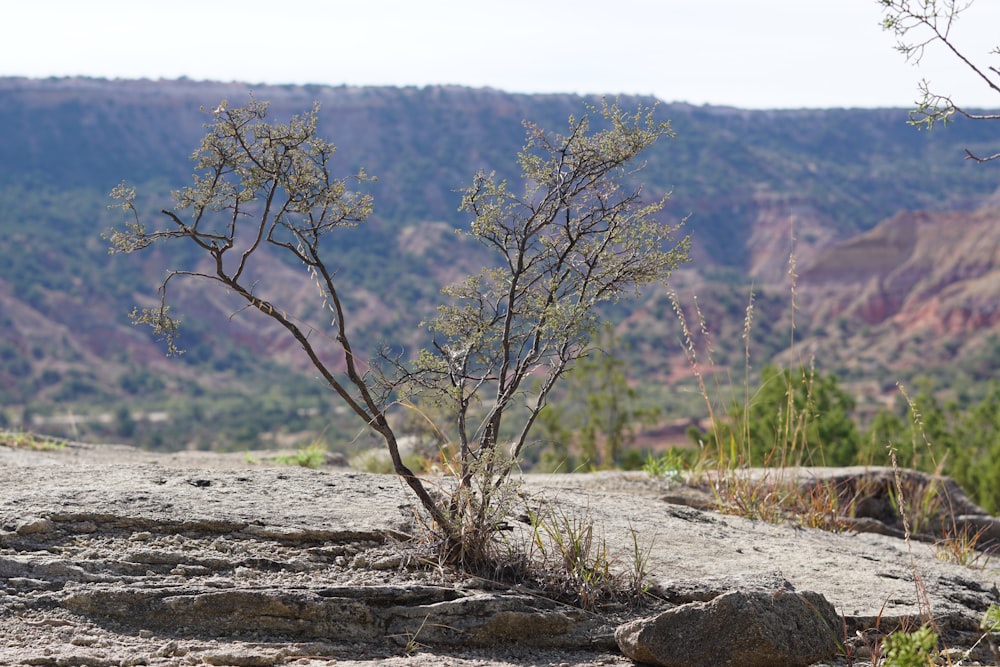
column 28, row 440
column 312, row 455
column 963, row 546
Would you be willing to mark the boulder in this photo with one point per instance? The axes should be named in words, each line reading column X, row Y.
column 781, row 628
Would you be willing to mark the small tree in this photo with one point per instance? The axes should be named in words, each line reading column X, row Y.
column 919, row 23
column 575, row 238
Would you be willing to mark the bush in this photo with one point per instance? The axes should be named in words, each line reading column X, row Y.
column 574, row 238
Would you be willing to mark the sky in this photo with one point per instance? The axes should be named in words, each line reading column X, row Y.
column 745, row 53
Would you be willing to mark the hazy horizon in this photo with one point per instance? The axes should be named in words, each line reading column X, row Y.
column 768, row 54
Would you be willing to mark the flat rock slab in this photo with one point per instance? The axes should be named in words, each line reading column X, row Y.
column 113, row 556
column 697, row 554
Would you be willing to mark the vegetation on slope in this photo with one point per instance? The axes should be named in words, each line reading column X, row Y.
column 70, row 364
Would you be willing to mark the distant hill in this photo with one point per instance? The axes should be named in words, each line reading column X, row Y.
column 871, row 204
column 927, row 284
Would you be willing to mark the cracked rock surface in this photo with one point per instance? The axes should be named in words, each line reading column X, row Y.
column 111, row 556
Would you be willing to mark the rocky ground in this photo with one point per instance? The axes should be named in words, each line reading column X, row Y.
column 112, row 556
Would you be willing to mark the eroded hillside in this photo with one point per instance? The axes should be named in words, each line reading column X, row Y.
column 759, row 187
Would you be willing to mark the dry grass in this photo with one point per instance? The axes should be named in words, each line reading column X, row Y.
column 775, row 495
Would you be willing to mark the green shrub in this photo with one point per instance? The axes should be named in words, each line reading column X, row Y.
column 911, row 649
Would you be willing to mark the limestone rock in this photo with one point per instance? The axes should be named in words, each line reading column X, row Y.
column 741, row 629
column 209, row 559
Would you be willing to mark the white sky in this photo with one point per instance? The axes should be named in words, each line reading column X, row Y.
column 744, row 53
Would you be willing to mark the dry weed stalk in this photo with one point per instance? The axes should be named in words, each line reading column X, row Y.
column 769, row 496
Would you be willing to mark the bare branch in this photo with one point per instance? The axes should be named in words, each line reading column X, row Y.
column 919, row 23
column 261, row 185
column 576, row 238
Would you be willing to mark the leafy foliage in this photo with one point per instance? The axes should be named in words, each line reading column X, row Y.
column 799, row 417
column 911, row 649
column 966, row 441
